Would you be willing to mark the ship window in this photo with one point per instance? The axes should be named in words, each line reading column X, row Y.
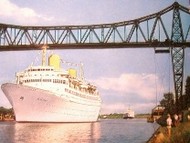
column 46, row 80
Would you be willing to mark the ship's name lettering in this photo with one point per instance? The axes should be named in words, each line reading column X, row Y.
column 41, row 99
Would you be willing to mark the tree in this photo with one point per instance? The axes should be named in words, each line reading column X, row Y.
column 3, row 110
column 168, row 102
column 4, row 113
column 187, row 92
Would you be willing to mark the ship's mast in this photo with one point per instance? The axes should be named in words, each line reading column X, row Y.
column 81, row 71
column 44, row 47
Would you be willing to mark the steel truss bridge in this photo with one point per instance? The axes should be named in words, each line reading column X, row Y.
column 167, row 31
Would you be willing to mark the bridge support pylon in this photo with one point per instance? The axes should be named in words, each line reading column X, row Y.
column 177, row 54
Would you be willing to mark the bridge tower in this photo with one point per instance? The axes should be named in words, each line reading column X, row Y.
column 177, row 54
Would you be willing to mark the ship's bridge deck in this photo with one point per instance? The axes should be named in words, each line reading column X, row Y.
column 40, row 68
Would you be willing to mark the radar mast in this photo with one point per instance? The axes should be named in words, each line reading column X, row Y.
column 44, row 48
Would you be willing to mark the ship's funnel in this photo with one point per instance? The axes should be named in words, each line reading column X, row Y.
column 73, row 73
column 54, row 60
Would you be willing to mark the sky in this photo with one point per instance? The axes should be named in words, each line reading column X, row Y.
column 126, row 78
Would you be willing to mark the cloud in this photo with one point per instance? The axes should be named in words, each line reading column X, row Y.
column 142, row 85
column 129, row 89
column 20, row 15
column 113, row 108
column 122, row 108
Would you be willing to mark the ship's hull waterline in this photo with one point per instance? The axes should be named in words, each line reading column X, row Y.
column 37, row 105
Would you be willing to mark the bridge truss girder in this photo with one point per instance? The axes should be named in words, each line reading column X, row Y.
column 146, row 31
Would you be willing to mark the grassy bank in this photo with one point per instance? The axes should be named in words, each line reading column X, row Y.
column 179, row 134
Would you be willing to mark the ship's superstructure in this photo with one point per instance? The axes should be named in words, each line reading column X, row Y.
column 130, row 114
column 49, row 93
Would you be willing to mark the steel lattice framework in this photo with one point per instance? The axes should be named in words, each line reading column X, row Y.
column 153, row 31
column 141, row 32
column 177, row 54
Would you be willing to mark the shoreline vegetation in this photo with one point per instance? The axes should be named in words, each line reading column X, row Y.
column 178, row 108
column 179, row 134
column 120, row 116
column 180, row 131
column 6, row 114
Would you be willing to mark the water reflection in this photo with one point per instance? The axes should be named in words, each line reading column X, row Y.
column 57, row 133
column 105, row 131
column 7, row 132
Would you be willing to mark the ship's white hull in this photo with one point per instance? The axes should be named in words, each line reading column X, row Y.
column 36, row 105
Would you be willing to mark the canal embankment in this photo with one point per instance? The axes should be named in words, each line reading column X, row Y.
column 179, row 134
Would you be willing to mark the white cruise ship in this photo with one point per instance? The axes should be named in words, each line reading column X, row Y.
column 48, row 93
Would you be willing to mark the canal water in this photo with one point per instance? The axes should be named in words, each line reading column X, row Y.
column 103, row 131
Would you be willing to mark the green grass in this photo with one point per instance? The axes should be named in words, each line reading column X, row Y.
column 179, row 134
